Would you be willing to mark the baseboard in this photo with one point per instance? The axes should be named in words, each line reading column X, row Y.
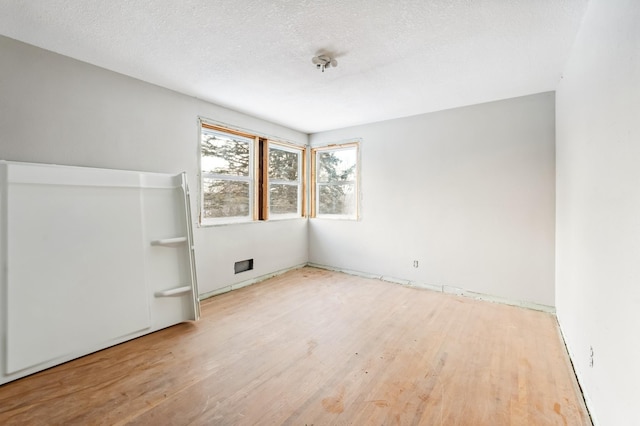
column 346, row 271
column 438, row 288
column 442, row 289
column 248, row 282
column 585, row 397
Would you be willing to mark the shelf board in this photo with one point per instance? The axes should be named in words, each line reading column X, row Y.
column 170, row 242
column 178, row 291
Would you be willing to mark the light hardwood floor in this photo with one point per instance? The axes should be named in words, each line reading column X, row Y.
column 314, row 347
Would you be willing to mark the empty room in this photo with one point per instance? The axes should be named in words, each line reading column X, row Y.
column 422, row 212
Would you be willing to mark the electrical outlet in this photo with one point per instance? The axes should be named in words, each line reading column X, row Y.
column 415, row 263
column 591, row 356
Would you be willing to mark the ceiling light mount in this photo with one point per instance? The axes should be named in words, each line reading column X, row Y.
column 324, row 61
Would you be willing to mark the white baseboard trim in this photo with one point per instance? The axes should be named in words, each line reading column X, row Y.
column 433, row 287
column 425, row 286
column 394, row 280
column 504, row 301
column 346, row 271
column 443, row 289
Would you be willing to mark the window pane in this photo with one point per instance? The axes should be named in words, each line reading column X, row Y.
column 283, row 199
column 337, row 199
column 225, row 198
column 224, row 155
column 336, row 166
column 283, row 164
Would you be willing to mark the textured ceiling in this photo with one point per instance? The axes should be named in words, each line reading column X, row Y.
column 396, row 58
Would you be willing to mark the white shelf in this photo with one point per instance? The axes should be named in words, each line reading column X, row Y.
column 170, row 242
column 178, row 291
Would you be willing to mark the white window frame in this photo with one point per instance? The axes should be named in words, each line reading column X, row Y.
column 315, row 185
column 299, row 183
column 250, row 179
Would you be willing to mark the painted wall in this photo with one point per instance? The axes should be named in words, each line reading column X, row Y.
column 54, row 109
column 468, row 192
column 598, row 209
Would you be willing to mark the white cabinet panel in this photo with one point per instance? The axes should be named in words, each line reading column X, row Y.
column 90, row 258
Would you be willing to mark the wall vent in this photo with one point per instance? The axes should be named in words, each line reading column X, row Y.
column 243, row 265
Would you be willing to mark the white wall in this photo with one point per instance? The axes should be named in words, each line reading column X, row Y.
column 467, row 192
column 54, row 109
column 598, row 209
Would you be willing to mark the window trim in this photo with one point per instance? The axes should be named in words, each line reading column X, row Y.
column 258, row 183
column 314, row 183
column 300, row 183
column 251, row 179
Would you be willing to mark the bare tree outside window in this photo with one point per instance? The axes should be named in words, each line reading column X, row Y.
column 226, row 175
column 284, row 181
column 244, row 177
column 336, row 182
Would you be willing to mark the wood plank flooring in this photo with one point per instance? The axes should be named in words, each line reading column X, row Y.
column 315, row 347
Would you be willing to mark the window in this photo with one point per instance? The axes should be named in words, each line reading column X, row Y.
column 284, row 175
column 335, row 181
column 244, row 177
column 227, row 176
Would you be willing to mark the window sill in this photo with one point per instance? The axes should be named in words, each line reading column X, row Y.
column 214, row 223
column 337, row 217
column 278, row 218
column 246, row 222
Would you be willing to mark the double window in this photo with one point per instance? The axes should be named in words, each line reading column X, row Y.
column 244, row 177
